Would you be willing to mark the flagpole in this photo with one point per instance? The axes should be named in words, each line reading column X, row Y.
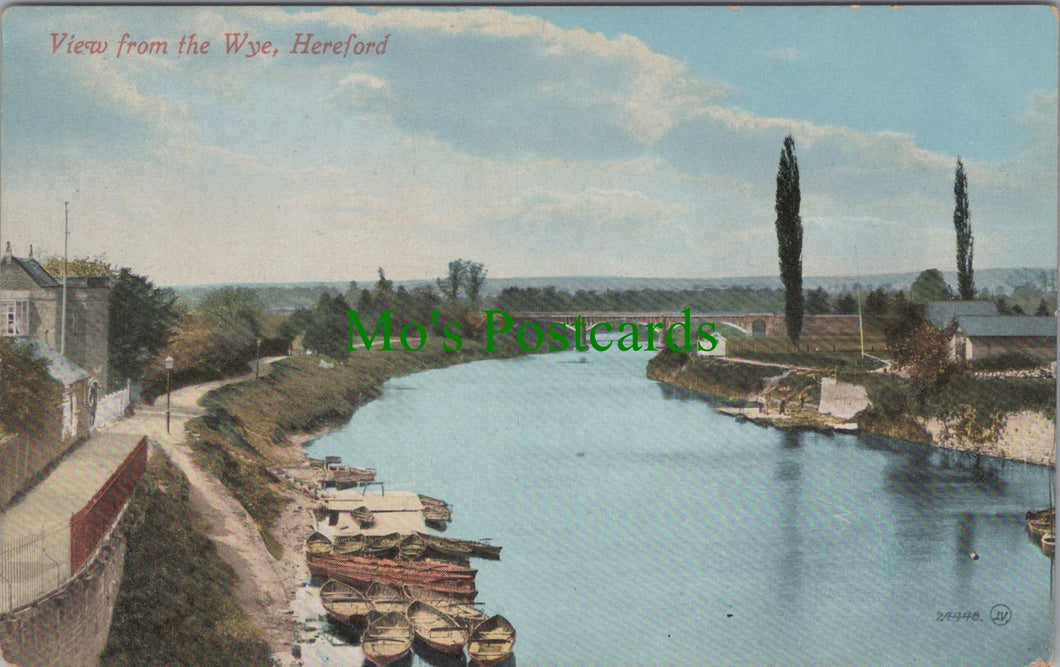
column 861, row 327
column 66, row 270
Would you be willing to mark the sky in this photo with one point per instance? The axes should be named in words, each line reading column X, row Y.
column 548, row 141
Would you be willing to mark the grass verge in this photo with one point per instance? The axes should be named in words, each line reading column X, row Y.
column 176, row 605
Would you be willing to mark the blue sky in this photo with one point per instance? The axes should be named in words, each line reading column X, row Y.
column 635, row 141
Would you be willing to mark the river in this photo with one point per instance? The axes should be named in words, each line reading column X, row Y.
column 641, row 527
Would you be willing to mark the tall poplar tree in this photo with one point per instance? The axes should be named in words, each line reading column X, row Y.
column 789, row 238
column 963, row 224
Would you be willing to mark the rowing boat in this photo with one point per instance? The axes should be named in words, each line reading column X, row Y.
column 412, row 547
column 491, row 641
column 464, row 612
column 387, row 639
column 453, row 580
column 318, row 543
column 345, row 603
column 349, row 545
column 385, row 598
column 435, row 628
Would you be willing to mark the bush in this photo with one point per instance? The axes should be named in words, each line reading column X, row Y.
column 1012, row 361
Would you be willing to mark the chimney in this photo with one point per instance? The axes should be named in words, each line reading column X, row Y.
column 7, row 249
column 31, row 251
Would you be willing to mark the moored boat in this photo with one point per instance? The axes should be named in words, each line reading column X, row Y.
column 462, row 548
column 318, row 543
column 345, row 603
column 387, row 639
column 363, row 516
column 453, row 580
column 435, row 628
column 465, row 613
column 348, row 545
column 1040, row 522
column 436, row 513
column 1049, row 543
column 386, row 598
column 412, row 547
column 491, row 641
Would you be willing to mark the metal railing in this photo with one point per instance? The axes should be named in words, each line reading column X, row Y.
column 32, row 565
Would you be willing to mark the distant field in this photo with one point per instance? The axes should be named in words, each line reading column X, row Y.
column 822, row 351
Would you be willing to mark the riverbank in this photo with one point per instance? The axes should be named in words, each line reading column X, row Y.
column 1010, row 418
column 250, row 426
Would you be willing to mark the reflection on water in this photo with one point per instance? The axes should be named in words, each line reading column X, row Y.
column 640, row 527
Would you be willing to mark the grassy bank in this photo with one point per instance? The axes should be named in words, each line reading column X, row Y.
column 248, row 425
column 176, row 605
column 715, row 378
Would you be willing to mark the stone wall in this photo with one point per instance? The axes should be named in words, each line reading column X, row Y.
column 842, row 399
column 69, row 626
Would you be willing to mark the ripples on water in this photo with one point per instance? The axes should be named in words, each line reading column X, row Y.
column 640, row 527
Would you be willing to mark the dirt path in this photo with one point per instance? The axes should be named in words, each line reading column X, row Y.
column 264, row 583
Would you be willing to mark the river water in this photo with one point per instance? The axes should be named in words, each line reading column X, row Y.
column 641, row 527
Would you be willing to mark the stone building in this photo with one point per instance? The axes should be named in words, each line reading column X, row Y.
column 31, row 307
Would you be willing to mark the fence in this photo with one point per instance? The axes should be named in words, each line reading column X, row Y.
column 32, row 565
column 111, row 407
column 93, row 521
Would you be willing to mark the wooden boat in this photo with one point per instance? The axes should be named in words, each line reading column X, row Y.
column 1049, row 543
column 491, row 641
column 387, row 639
column 454, row 580
column 385, row 598
column 1040, row 522
column 412, row 547
column 436, row 513
column 445, row 547
column 462, row 548
column 345, row 603
column 348, row 545
column 465, row 613
column 318, row 543
column 436, row 629
column 363, row 516
column 382, row 546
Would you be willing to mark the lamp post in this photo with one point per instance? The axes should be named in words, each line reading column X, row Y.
column 169, row 368
column 257, row 363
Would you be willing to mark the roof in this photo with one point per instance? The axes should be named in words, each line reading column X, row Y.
column 998, row 325
column 33, row 269
column 59, row 367
column 941, row 313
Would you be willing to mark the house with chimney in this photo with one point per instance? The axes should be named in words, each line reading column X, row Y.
column 31, row 314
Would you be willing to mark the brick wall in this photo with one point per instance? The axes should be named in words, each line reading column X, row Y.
column 68, row 627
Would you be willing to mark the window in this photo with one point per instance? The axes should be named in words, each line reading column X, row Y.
column 14, row 320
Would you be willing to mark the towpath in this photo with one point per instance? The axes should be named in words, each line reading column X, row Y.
column 48, row 506
column 261, row 589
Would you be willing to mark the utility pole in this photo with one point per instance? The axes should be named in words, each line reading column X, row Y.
column 66, row 269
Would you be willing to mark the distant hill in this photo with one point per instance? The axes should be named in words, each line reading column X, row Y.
column 290, row 296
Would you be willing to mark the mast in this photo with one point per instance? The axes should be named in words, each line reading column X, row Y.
column 66, row 270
